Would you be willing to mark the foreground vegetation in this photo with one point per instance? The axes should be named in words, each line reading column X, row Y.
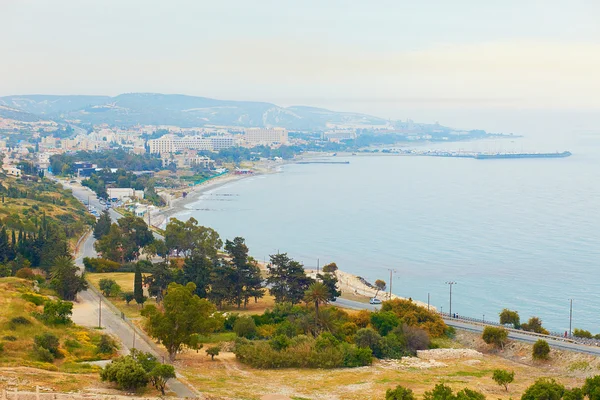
column 36, row 331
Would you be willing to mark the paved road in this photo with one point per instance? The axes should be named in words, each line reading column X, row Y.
column 467, row 326
column 87, row 312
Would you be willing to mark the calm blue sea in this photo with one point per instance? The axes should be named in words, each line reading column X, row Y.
column 522, row 234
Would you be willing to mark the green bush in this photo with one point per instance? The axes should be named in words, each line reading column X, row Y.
column 71, row 344
column 541, row 350
column 10, row 338
column 43, row 355
column 1, row 347
column 109, row 287
column 591, row 387
column 128, row 297
column 582, row 333
column 384, row 321
column 544, row 388
column 34, row 298
column 106, row 345
column 503, row 377
column 126, row 372
column 245, row 327
column 302, row 353
column 49, row 342
column 399, row 393
column 495, row 336
column 368, row 338
column 20, row 320
column 57, row 312
column 100, row 265
column 280, row 342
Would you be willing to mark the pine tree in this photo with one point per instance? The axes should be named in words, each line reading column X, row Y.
column 138, row 291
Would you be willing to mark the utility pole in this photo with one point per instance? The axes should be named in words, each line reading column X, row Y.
column 427, row 301
column 391, row 278
column 450, row 283
column 570, row 316
column 99, row 312
column 317, row 266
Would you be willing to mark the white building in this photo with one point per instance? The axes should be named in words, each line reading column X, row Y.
column 173, row 144
column 265, row 136
column 221, row 142
column 124, row 193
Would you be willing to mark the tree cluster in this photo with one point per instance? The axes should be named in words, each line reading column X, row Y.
column 136, row 370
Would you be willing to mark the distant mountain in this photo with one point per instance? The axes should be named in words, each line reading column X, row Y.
column 18, row 115
column 185, row 111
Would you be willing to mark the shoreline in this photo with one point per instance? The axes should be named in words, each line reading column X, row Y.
column 353, row 287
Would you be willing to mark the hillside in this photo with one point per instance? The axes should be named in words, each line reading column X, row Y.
column 181, row 110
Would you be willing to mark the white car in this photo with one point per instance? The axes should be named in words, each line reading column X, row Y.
column 374, row 300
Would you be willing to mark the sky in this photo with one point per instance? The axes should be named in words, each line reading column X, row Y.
column 395, row 59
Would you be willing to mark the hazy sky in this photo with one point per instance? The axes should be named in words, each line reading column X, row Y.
column 385, row 56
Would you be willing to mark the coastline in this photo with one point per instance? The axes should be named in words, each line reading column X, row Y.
column 353, row 287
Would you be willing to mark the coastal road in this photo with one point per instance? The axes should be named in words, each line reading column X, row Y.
column 90, row 311
column 472, row 327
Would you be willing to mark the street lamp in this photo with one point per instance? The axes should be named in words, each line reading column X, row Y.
column 570, row 316
column 450, row 283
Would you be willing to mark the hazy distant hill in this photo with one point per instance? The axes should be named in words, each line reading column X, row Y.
column 186, row 111
column 13, row 113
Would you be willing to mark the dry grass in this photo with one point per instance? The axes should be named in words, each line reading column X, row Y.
column 227, row 378
column 125, row 281
column 19, row 352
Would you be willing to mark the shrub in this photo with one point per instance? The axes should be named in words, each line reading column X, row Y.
column 368, row 338
column 384, row 321
column 361, row 318
column 128, row 297
column 591, row 387
column 503, row 377
column 49, row 342
column 349, row 329
column 20, row 320
column 468, row 394
column 415, row 338
column 213, row 351
column 10, row 338
column 544, row 388
column 106, row 345
column 126, row 372
column 450, row 332
column 534, row 325
column 266, row 331
column 576, row 394
column 245, row 327
column 302, row 353
column 1, row 347
column 280, row 342
column 34, row 298
column 495, row 336
column 109, row 287
column 417, row 316
column 43, row 355
column 541, row 350
column 100, row 265
column 25, row 273
column 57, row 312
column 399, row 393
column 439, row 392
column 582, row 333
column 72, row 344
column 230, row 321
column 287, row 328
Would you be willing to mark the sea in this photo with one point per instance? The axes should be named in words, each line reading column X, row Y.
column 522, row 234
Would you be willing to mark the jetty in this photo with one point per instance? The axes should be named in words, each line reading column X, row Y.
column 323, row 162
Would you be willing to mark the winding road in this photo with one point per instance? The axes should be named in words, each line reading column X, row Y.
column 92, row 310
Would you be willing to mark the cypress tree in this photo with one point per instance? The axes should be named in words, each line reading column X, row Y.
column 138, row 291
